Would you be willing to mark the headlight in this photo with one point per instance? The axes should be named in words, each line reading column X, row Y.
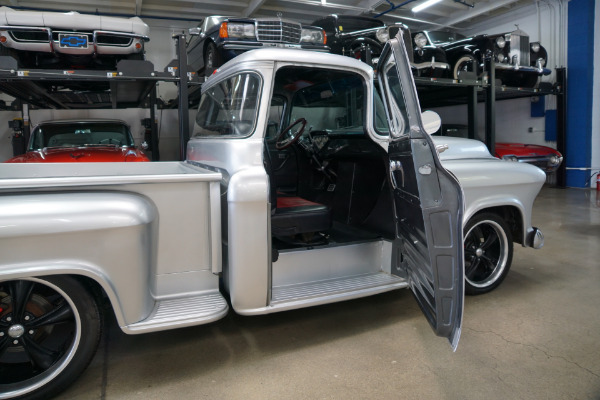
column 501, row 57
column 510, row 158
column 555, row 161
column 382, row 35
column 237, row 30
column 535, row 47
column 420, row 40
column 500, row 42
column 313, row 36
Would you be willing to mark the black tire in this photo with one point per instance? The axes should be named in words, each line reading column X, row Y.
column 212, row 60
column 466, row 62
column 488, row 253
column 51, row 332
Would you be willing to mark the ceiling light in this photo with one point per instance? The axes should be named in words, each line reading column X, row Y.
column 323, row 2
column 423, row 6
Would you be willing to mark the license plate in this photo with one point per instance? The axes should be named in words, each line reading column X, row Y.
column 70, row 41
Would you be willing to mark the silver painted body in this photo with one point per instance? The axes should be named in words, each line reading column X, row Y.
column 490, row 182
column 151, row 234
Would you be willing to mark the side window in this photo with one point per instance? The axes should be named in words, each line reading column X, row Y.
column 380, row 121
column 229, row 108
column 396, row 106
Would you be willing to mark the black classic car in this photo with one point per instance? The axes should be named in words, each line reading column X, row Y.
column 218, row 39
column 518, row 62
column 363, row 38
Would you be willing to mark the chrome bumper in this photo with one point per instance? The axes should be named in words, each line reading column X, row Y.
column 53, row 46
column 244, row 46
column 536, row 70
column 535, row 238
column 430, row 64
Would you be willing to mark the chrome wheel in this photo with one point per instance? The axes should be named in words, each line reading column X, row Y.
column 488, row 253
column 44, row 338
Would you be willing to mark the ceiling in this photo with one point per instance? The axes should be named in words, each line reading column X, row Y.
column 447, row 14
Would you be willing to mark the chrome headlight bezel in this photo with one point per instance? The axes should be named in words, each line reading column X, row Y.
column 420, row 40
column 314, row 36
column 501, row 57
column 510, row 157
column 382, row 35
column 500, row 42
column 535, row 47
column 241, row 30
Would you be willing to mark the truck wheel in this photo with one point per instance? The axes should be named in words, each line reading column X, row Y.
column 49, row 330
column 212, row 61
column 488, row 253
column 465, row 63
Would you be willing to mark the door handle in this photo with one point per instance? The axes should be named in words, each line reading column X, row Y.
column 396, row 166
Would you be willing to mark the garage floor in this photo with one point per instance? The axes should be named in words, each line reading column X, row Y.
column 536, row 337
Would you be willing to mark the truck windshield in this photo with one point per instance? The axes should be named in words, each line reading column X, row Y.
column 74, row 134
column 229, row 108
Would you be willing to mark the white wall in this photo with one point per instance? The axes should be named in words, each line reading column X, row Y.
column 513, row 117
column 160, row 50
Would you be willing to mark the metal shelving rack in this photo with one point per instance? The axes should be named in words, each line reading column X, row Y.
column 132, row 85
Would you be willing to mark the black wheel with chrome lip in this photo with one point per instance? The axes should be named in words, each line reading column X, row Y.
column 488, row 253
column 49, row 331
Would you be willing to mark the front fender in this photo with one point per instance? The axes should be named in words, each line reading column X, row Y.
column 107, row 236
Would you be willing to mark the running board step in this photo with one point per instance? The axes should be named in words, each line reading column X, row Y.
column 337, row 289
column 182, row 312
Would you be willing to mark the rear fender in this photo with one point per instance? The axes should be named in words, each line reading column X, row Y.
column 109, row 237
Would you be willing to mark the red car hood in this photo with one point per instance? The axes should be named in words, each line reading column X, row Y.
column 81, row 154
column 524, row 150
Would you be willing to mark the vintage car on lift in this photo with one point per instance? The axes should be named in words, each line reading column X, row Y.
column 45, row 39
column 95, row 140
column 302, row 186
column 363, row 38
column 544, row 157
column 518, row 62
column 218, row 39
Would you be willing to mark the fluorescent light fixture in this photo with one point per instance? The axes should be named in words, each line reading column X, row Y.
column 323, row 2
column 423, row 6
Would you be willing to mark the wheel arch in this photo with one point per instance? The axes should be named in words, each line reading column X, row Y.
column 99, row 284
column 511, row 213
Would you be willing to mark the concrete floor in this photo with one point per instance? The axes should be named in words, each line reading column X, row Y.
column 536, row 337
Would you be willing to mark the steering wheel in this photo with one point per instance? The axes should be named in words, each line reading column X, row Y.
column 281, row 143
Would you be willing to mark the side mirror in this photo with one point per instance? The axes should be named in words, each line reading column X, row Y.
column 431, row 121
column 194, row 31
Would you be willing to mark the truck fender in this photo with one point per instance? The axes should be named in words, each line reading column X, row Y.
column 109, row 237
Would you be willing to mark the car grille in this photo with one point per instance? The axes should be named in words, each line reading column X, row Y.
column 278, row 31
column 519, row 46
column 29, row 36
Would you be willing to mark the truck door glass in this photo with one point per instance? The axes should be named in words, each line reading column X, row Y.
column 399, row 114
column 229, row 108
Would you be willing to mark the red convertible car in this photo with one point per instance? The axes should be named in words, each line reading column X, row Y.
column 81, row 141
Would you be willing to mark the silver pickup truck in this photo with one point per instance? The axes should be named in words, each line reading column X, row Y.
column 307, row 182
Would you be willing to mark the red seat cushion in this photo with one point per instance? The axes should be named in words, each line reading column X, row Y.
column 287, row 202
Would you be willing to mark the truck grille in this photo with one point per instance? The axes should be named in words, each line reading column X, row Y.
column 519, row 46
column 278, row 31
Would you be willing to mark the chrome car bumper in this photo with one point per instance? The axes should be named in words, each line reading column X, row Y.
column 535, row 238
column 536, row 70
column 245, row 46
column 430, row 64
column 50, row 45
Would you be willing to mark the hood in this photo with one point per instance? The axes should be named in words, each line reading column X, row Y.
column 459, row 148
column 81, row 154
column 524, row 150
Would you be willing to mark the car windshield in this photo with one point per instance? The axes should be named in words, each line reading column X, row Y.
column 358, row 24
column 330, row 101
column 444, row 37
column 78, row 134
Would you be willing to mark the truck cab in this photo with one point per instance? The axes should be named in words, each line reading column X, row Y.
column 332, row 186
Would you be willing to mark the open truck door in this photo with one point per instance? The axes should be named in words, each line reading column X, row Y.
column 428, row 249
